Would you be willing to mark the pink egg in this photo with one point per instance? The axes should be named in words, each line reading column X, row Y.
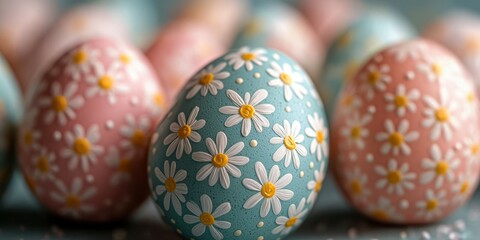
column 459, row 31
column 179, row 50
column 405, row 140
column 84, row 137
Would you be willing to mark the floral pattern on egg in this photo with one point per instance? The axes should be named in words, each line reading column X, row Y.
column 83, row 141
column 243, row 152
column 409, row 147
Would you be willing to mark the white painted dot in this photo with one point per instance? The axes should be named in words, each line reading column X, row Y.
column 288, row 109
column 134, row 101
column 302, row 174
column 260, row 238
column 239, row 80
column 57, row 135
column 369, row 157
column 237, row 233
column 260, row 224
column 410, row 75
column 311, row 165
column 154, row 150
column 253, row 143
column 90, row 178
column 172, row 220
column 276, row 56
column 109, row 124
column 425, row 235
column 309, row 104
column 372, row 109
column 403, row 235
column 404, row 204
column 256, row 75
column 458, row 146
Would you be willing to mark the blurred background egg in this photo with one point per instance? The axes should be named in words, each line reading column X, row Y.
column 460, row 32
column 180, row 49
column 84, row 139
column 374, row 28
column 407, row 151
column 10, row 114
column 245, row 145
column 279, row 26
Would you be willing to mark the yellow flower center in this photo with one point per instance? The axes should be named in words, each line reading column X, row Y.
column 124, row 58
column 464, row 187
column 28, row 137
column 347, row 100
column 470, row 97
column 290, row 222
column 170, row 184
column 436, row 69
column 285, row 78
column 207, row 219
column 380, row 214
column 441, row 115
column 81, row 146
column 246, row 111
column 355, row 187
column 158, row 99
column 219, row 160
column 42, row 164
column 318, row 186
column 105, row 82
column 268, row 190
column 79, row 57
column 206, row 79
column 184, row 131
column 394, row 177
column 373, row 77
column 72, row 201
column 248, row 56
column 59, row 103
column 395, row 139
column 474, row 148
column 431, row 204
column 441, row 168
column 289, row 142
column 124, row 165
column 400, row 101
column 355, row 132
column 319, row 136
column 138, row 138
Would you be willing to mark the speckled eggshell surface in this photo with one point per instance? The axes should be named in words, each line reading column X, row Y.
column 84, row 139
column 372, row 30
column 406, row 147
column 243, row 152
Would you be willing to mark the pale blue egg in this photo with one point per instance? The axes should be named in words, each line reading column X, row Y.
column 372, row 30
column 243, row 152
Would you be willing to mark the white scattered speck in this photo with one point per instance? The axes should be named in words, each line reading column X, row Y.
column 302, row 174
column 369, row 157
column 309, row 104
column 119, row 234
column 239, row 80
column 403, row 235
column 454, row 236
column 276, row 56
column 410, row 75
column 110, row 124
column 372, row 109
column 90, row 178
column 460, row 225
column 425, row 235
column 458, row 146
column 352, row 157
column 260, row 238
column 57, row 135
column 253, row 143
column 352, row 233
column 237, row 233
column 311, row 165
column 154, row 150
column 256, row 75
column 260, row 224
column 172, row 220
column 404, row 204
column 444, row 229
column 288, row 109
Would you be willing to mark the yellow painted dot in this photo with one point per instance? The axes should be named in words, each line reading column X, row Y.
column 380, row 214
column 373, row 77
column 246, row 111
column 395, row 139
column 355, row 132
column 59, row 103
column 355, row 187
column 289, row 142
column 318, row 186
column 319, row 136
column 207, row 219
column 158, row 99
column 400, row 101
column 206, row 79
column 285, row 78
column 268, row 190
column 290, row 222
column 248, row 56
column 441, row 114
column 184, row 131
column 441, row 168
column 219, row 160
column 124, row 58
column 42, row 164
column 464, row 187
column 436, row 69
column 138, row 138
column 124, row 165
column 394, row 177
column 72, row 201
column 474, row 149
column 79, row 57
column 431, row 204
column 81, row 146
column 170, row 184
column 105, row 82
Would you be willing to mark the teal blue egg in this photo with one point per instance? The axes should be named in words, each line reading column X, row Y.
column 372, row 30
column 10, row 114
column 243, row 152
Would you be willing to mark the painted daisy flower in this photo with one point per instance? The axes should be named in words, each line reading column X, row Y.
column 206, row 217
column 375, row 79
column 106, row 82
column 221, row 163
column 383, row 210
column 319, row 132
column 269, row 189
column 396, row 140
column 135, row 133
column 462, row 188
column 247, row 57
column 45, row 167
column 285, row 77
column 316, row 185
column 82, row 147
column 294, row 219
column 439, row 167
column 28, row 134
column 208, row 81
column 79, row 60
column 435, row 69
column 61, row 104
column 121, row 164
column 355, row 183
column 402, row 101
column 406, row 51
column 395, row 178
column 184, row 131
column 248, row 110
column 154, row 100
column 73, row 200
column 432, row 204
column 127, row 61
column 172, row 186
column 155, row 197
column 290, row 139
column 440, row 116
column 350, row 102
column 355, row 130
column 471, row 150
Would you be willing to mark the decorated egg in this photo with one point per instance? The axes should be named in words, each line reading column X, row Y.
column 180, row 49
column 10, row 114
column 373, row 29
column 243, row 152
column 278, row 26
column 458, row 31
column 84, row 137
column 405, row 148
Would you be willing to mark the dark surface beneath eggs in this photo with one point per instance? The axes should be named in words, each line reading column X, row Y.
column 22, row 218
